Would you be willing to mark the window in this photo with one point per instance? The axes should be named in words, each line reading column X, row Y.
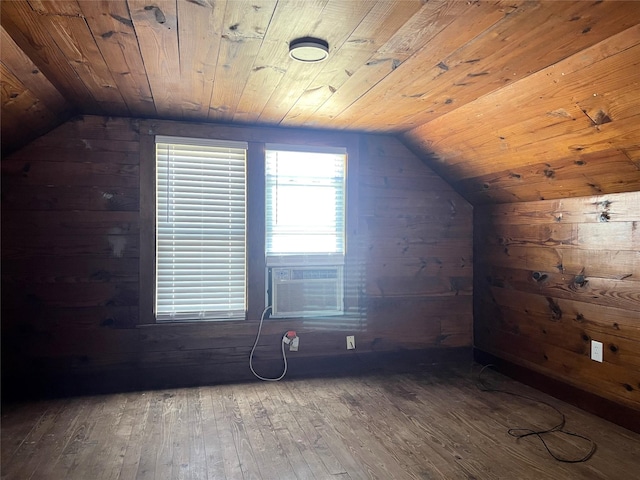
column 305, row 203
column 200, row 229
column 305, row 230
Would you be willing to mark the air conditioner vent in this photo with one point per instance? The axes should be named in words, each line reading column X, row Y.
column 306, row 291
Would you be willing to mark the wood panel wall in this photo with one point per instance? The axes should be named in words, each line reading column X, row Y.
column 73, row 234
column 553, row 275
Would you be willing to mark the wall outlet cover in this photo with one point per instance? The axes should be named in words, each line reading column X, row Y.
column 596, row 351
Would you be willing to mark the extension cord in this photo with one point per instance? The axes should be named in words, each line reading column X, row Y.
column 285, row 341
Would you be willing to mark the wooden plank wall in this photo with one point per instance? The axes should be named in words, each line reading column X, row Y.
column 551, row 276
column 71, row 230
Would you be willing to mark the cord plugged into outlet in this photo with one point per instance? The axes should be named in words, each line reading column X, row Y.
column 290, row 338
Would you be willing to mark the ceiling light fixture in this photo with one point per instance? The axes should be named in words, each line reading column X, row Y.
column 308, row 49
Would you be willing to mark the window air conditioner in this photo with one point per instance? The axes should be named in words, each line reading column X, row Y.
column 306, row 291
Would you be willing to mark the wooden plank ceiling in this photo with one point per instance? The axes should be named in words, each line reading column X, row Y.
column 507, row 100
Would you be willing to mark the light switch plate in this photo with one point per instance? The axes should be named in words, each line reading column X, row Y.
column 351, row 342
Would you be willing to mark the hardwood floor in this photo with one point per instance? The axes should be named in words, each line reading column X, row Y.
column 428, row 425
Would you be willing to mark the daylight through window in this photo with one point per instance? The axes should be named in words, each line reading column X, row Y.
column 305, row 201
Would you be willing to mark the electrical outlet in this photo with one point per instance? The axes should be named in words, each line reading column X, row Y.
column 351, row 342
column 596, row 351
column 293, row 346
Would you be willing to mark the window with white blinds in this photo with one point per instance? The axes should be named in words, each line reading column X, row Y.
column 305, row 200
column 200, row 229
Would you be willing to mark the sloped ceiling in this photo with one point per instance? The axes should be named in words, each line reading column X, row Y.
column 508, row 100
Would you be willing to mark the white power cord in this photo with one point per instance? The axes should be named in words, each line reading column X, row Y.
column 255, row 344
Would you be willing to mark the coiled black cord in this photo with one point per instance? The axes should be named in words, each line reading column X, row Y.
column 527, row 432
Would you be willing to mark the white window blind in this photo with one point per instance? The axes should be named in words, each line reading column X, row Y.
column 200, row 229
column 305, row 200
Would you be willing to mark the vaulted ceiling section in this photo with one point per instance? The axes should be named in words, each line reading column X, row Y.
column 507, row 100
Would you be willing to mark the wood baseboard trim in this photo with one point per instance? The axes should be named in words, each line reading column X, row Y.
column 612, row 411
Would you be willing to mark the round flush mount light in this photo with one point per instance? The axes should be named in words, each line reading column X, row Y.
column 308, row 50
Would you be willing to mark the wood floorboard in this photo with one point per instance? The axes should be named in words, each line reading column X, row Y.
column 29, row 454
column 269, row 455
column 228, row 436
column 306, row 440
column 106, row 442
column 279, row 420
column 181, row 468
column 15, row 430
column 248, row 457
column 212, row 437
column 75, row 458
column 197, row 466
column 138, row 405
column 434, row 424
column 335, row 452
